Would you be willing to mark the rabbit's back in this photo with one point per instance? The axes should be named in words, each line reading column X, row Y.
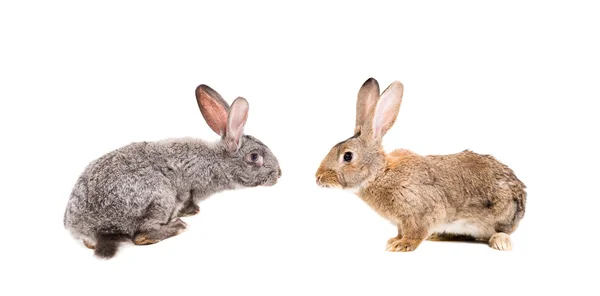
column 474, row 182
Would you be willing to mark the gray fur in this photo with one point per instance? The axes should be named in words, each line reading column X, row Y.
column 144, row 187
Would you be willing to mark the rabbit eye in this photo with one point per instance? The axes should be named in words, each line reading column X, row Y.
column 348, row 156
column 254, row 158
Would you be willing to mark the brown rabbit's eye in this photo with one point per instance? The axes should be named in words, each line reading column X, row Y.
column 348, row 156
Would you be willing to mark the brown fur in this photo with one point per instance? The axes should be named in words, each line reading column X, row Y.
column 143, row 239
column 88, row 245
column 423, row 194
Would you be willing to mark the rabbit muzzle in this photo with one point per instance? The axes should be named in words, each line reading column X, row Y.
column 272, row 178
column 328, row 179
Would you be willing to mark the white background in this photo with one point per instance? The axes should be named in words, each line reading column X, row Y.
column 515, row 79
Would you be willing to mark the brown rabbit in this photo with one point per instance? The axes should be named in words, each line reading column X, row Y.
column 440, row 197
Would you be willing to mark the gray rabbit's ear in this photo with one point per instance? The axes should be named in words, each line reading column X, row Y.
column 367, row 98
column 386, row 110
column 238, row 114
column 213, row 108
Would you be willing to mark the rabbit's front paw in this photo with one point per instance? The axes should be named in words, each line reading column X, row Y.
column 190, row 210
column 402, row 245
column 178, row 225
column 392, row 240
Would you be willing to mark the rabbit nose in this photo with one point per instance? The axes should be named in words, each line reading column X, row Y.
column 319, row 179
column 279, row 170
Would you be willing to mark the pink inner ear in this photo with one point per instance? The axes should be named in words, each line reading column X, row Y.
column 383, row 113
column 238, row 114
column 214, row 114
column 237, row 123
column 387, row 109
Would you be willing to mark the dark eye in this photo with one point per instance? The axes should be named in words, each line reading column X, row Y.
column 254, row 159
column 348, row 156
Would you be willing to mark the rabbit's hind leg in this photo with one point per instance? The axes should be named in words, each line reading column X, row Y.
column 189, row 209
column 159, row 233
column 156, row 225
column 88, row 245
column 500, row 241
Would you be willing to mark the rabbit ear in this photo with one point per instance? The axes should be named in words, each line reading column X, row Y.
column 386, row 110
column 367, row 97
column 238, row 114
column 213, row 108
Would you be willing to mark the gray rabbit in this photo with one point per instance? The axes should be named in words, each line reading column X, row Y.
column 138, row 192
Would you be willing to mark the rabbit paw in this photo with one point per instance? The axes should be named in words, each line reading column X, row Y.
column 392, row 240
column 173, row 228
column 190, row 210
column 179, row 225
column 500, row 241
column 88, row 245
column 143, row 239
column 402, row 245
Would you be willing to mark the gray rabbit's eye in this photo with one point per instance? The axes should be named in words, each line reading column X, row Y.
column 348, row 156
column 254, row 158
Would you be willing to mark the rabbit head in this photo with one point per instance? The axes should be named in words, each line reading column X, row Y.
column 352, row 162
column 248, row 161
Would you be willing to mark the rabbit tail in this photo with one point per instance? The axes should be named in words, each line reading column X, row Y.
column 520, row 200
column 108, row 244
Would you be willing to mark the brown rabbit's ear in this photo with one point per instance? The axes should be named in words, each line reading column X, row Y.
column 386, row 110
column 238, row 114
column 367, row 97
column 213, row 108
